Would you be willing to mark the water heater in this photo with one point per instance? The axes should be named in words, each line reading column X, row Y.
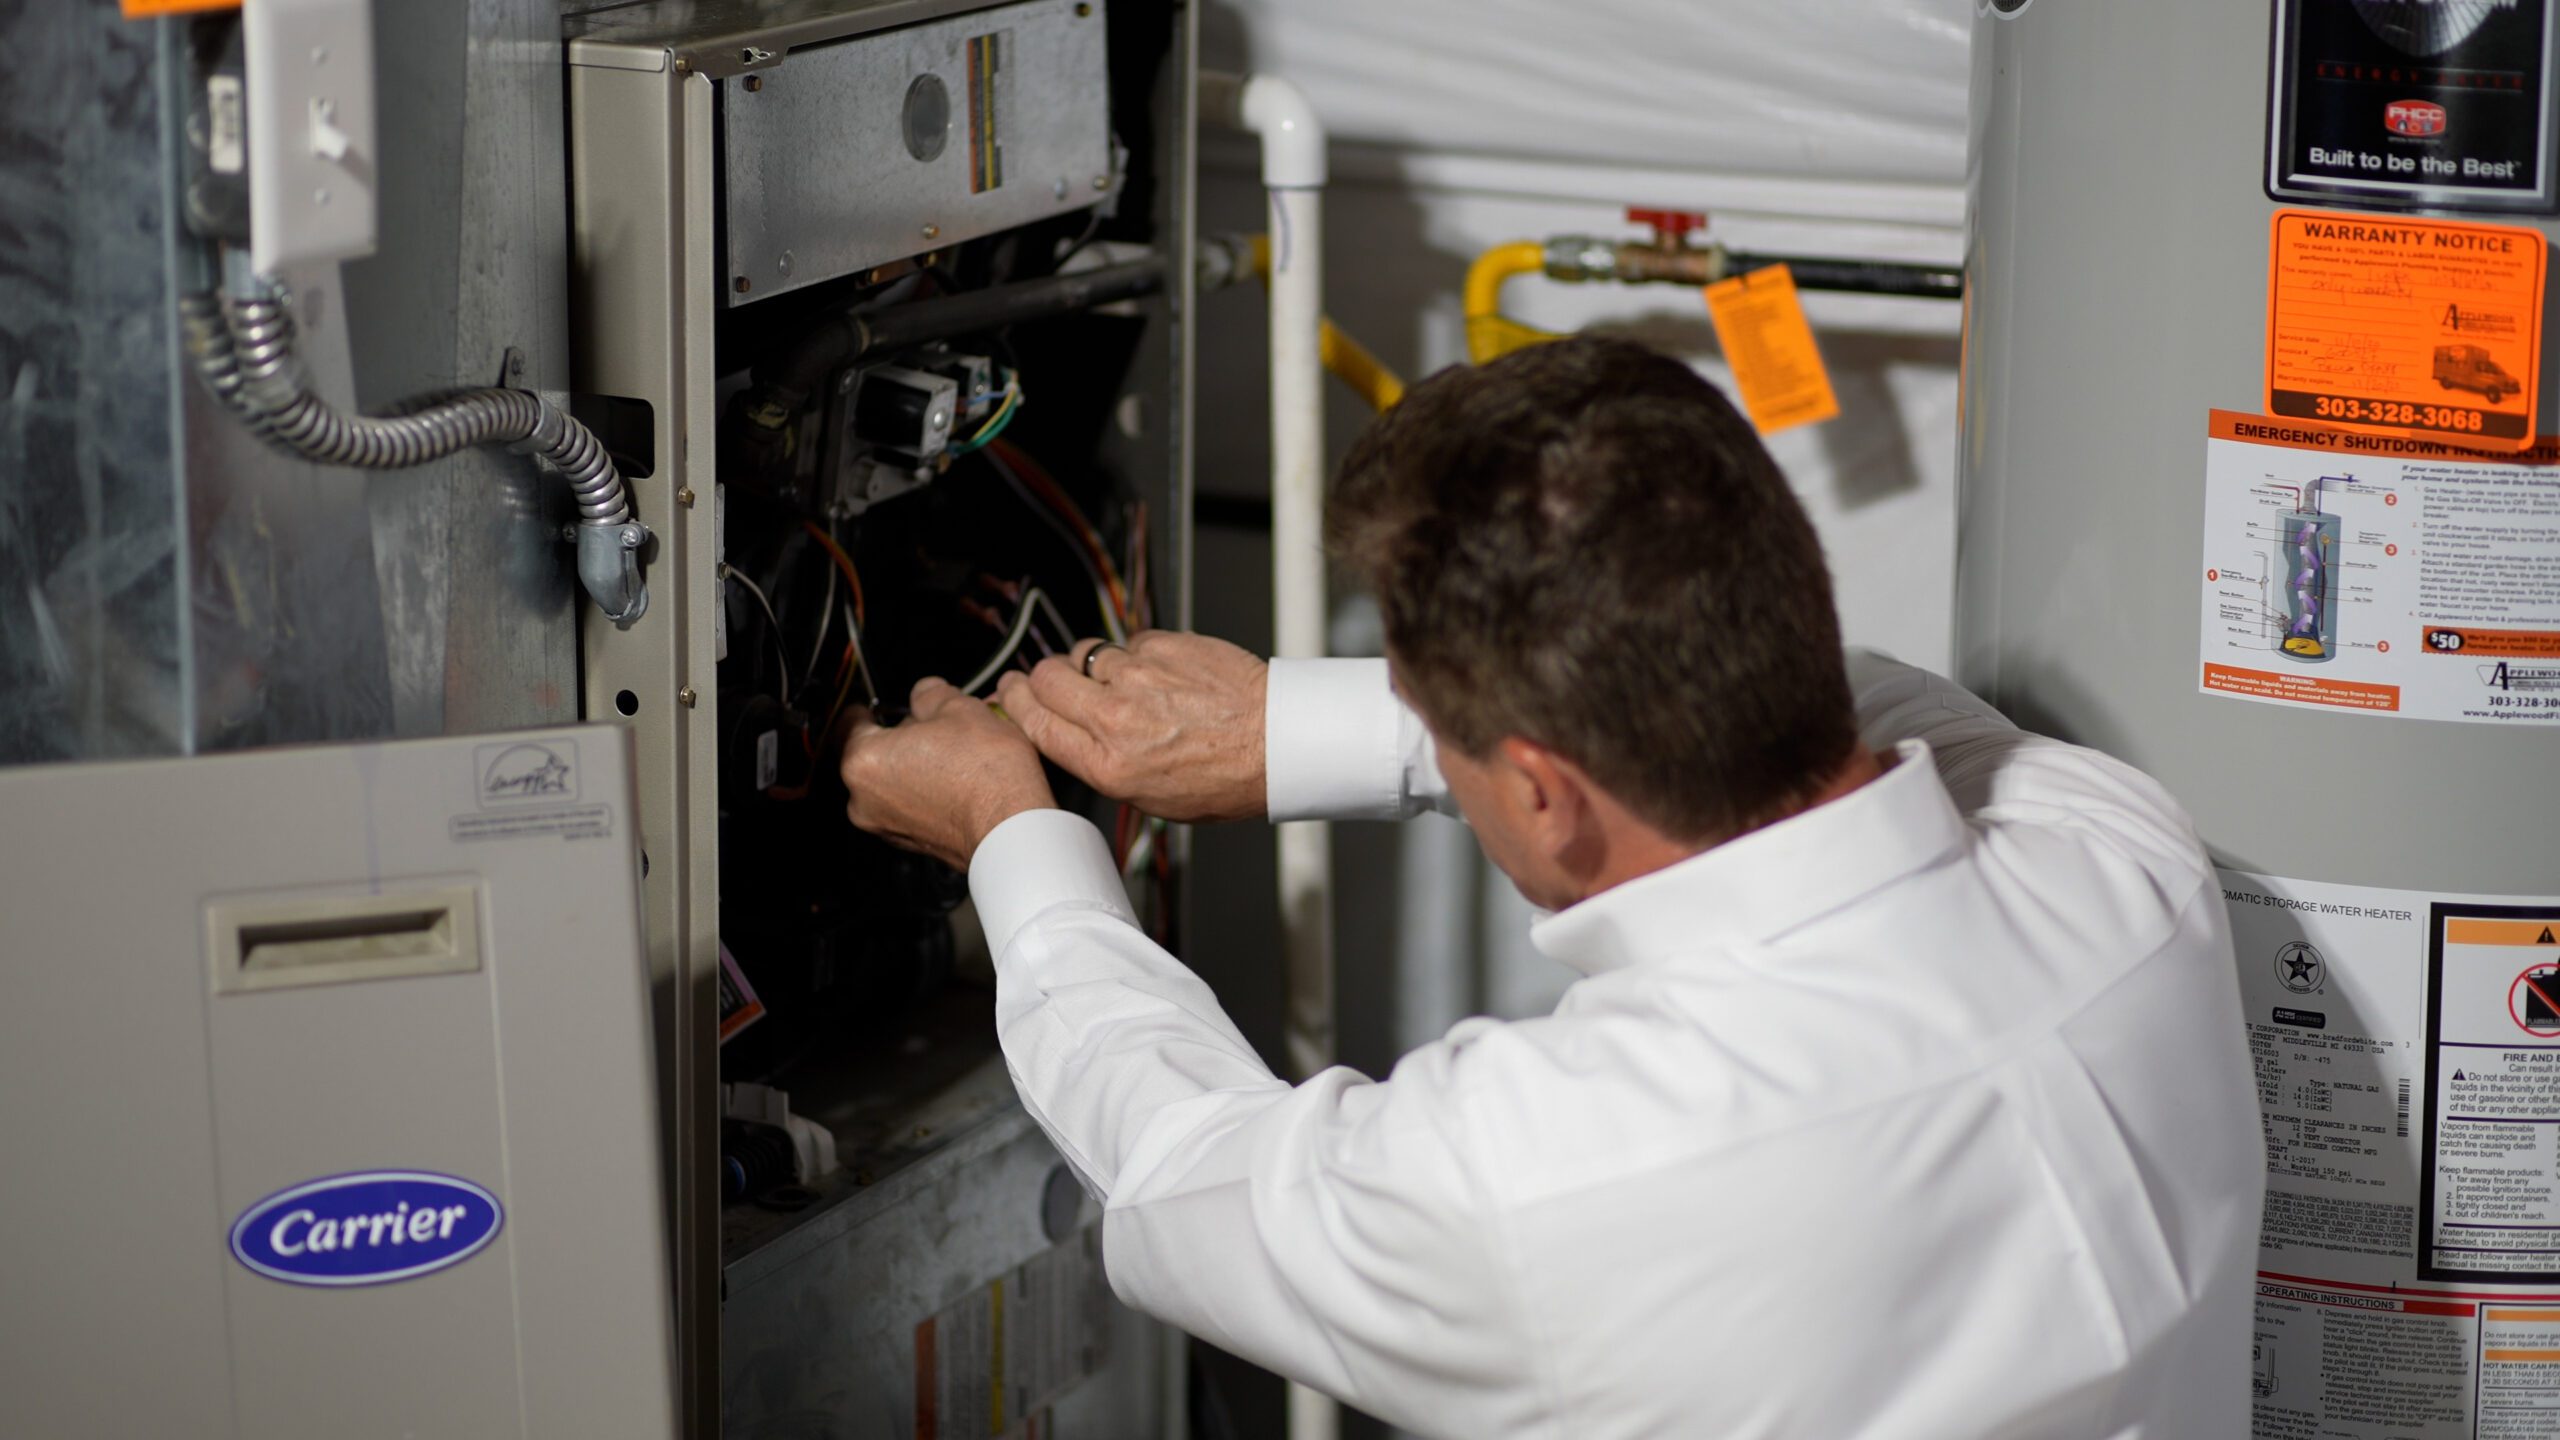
column 2258, row 493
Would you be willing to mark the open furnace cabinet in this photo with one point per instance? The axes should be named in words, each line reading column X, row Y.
column 890, row 303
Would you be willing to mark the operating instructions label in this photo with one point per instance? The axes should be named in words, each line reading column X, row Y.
column 2361, row 1004
column 2380, row 575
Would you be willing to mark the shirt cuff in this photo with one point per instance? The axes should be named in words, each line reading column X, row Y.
column 1039, row 861
column 1332, row 742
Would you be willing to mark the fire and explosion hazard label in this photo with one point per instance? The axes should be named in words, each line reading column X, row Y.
column 2491, row 1209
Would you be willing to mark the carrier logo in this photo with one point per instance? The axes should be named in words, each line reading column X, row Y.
column 2413, row 117
column 366, row 1229
column 528, row 772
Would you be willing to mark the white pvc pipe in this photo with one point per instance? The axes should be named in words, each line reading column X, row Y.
column 1293, row 170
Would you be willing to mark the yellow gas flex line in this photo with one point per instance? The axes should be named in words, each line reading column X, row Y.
column 1490, row 333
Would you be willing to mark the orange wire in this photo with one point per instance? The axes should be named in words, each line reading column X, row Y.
column 844, row 563
column 1048, row 489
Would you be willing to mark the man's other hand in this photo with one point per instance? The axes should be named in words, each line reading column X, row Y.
column 944, row 779
column 1172, row 724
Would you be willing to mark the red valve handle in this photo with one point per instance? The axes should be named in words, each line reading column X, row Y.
column 1670, row 227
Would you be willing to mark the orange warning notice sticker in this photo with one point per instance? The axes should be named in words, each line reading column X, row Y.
column 2405, row 327
column 1776, row 365
column 145, row 9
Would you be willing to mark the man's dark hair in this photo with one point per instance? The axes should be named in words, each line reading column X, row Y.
column 1584, row 544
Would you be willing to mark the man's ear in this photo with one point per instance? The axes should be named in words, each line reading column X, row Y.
column 1550, row 795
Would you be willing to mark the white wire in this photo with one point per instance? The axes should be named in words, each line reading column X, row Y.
column 781, row 670
column 1033, row 601
column 1111, row 624
column 826, row 621
column 861, row 667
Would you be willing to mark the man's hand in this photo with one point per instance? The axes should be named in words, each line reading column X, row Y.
column 940, row 782
column 1172, row 724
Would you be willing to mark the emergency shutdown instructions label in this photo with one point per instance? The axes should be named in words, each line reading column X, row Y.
column 2380, row 575
column 2360, row 1002
column 2413, row 103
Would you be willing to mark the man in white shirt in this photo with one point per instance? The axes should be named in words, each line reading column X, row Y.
column 1904, row 1094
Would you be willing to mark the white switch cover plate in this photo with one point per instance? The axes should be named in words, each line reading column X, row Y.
column 312, row 155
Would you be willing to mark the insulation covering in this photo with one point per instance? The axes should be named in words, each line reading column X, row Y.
column 1811, row 89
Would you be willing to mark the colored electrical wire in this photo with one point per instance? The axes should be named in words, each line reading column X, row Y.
column 844, row 563
column 1041, row 493
column 826, row 624
column 773, row 632
column 986, row 434
column 1035, row 602
column 861, row 662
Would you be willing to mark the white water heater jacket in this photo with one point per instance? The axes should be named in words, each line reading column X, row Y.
column 1924, row 1115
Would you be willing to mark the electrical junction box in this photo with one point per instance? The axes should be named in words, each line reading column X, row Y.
column 325, row 1078
column 885, row 146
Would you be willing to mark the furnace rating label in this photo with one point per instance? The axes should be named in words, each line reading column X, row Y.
column 2492, row 1174
column 993, row 1362
column 2379, row 575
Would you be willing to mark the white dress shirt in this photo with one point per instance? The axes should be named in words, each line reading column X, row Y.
column 1925, row 1113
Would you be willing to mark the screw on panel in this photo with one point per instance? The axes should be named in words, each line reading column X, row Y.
column 684, row 497
column 1101, row 182
column 1083, row 11
column 783, row 262
column 754, row 83
column 932, row 231
column 744, row 284
column 684, row 65
column 686, row 697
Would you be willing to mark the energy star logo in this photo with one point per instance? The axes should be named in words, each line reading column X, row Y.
column 529, row 772
column 370, row 1228
column 2413, row 117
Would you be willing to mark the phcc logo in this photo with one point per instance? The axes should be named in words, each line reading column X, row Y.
column 2413, row 117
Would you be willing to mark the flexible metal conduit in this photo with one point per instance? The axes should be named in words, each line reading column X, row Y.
column 243, row 351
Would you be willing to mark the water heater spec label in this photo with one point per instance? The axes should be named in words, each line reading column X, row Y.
column 2410, row 104
column 2379, row 575
column 2406, row 327
column 2362, row 1003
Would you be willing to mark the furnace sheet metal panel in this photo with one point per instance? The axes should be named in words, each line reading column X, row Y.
column 327, row 1072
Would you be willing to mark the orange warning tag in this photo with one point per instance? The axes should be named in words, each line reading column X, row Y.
column 2405, row 327
column 1776, row 366
column 145, row 9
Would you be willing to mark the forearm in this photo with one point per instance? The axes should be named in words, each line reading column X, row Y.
column 1100, row 1027
column 1301, row 1227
